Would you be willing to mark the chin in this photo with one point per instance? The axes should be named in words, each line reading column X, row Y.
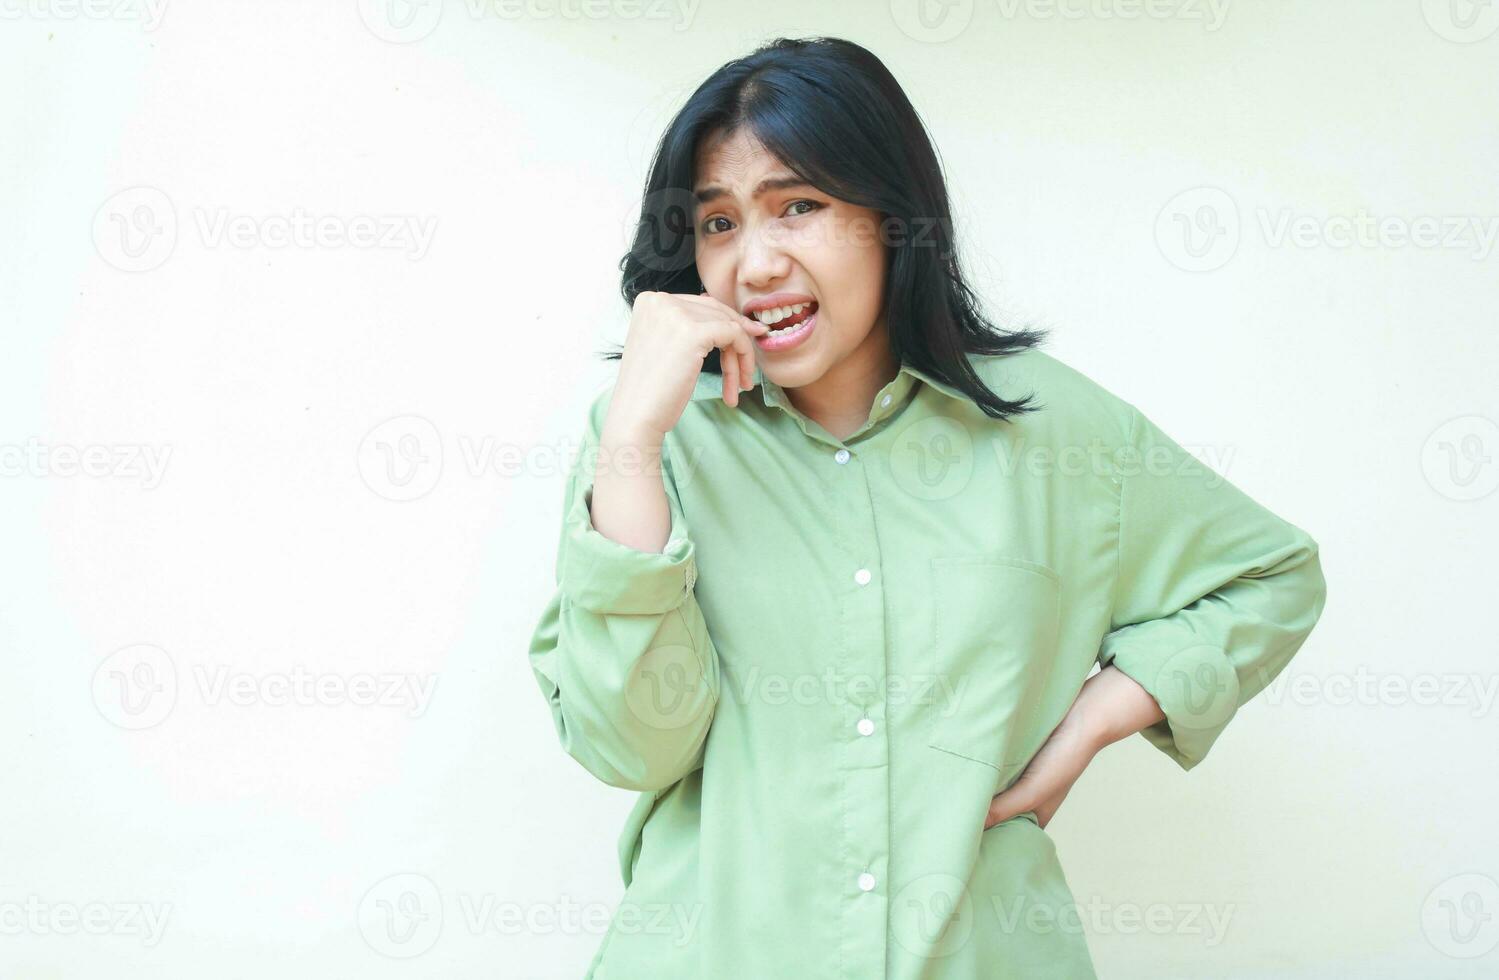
column 794, row 375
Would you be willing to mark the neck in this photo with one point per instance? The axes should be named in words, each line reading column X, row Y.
column 840, row 400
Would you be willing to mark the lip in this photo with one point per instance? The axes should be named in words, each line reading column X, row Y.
column 773, row 300
column 790, row 340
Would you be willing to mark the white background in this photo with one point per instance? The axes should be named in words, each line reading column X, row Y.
column 1344, row 824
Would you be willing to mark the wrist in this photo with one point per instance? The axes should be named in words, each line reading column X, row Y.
column 628, row 448
column 625, row 432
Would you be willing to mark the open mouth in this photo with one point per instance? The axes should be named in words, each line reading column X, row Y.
column 790, row 318
column 791, row 331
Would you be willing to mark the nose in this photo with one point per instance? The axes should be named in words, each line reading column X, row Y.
column 762, row 256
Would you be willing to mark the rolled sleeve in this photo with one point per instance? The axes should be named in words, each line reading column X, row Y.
column 1214, row 593
column 604, row 576
column 622, row 652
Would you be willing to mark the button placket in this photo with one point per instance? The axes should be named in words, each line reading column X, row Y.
column 863, row 755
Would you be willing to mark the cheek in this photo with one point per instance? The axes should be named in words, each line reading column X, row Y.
column 853, row 283
column 715, row 275
column 851, row 261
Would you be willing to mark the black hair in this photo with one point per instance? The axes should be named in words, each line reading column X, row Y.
column 832, row 113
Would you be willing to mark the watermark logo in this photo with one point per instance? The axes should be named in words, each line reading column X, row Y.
column 411, row 234
column 37, row 917
column 401, row 916
column 305, row 688
column 1207, row 921
column 1474, row 234
column 406, row 457
column 661, row 229
column 682, row 12
column 1207, row 463
column 1460, row 916
column 148, row 13
column 1212, row 13
column 938, row 690
column 136, row 229
column 935, row 21
column 400, row 21
column 119, row 461
column 401, row 458
column 1202, row 685
column 408, row 21
column 932, row 915
column 136, row 687
column 1462, row 21
column 932, row 459
column 675, row 922
column 1198, row 229
column 931, row 21
column 1365, row 688
column 1458, row 459
column 671, row 690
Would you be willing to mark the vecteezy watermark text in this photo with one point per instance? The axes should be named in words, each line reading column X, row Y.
column 137, row 229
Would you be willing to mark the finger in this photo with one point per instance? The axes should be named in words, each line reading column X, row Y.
column 998, row 815
column 1015, row 800
column 749, row 323
column 730, row 367
column 743, row 354
column 729, row 335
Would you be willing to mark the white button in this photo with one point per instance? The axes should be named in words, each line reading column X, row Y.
column 841, row 455
column 862, row 576
column 866, row 881
column 885, row 401
column 866, row 727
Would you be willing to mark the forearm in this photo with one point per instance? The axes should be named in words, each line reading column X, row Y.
column 1111, row 706
column 629, row 502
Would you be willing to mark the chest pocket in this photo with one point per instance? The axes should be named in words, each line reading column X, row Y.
column 994, row 639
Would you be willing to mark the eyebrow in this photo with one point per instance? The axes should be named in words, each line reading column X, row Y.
column 775, row 183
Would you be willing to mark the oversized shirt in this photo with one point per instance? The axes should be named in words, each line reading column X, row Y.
column 848, row 646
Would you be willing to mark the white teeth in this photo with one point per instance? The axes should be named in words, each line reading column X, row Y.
column 779, row 313
column 785, row 330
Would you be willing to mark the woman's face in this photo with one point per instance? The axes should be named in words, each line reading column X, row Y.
column 754, row 242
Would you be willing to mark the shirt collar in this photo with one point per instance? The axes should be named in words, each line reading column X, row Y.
column 887, row 401
column 710, row 385
column 904, row 380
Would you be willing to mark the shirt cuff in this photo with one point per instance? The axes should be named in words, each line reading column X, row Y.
column 1196, row 686
column 604, row 576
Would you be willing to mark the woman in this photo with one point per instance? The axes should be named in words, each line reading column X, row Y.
column 839, row 557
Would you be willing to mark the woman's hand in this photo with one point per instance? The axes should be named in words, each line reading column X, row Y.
column 1110, row 706
column 1048, row 778
column 670, row 334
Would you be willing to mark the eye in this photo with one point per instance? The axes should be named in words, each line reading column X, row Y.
column 708, row 229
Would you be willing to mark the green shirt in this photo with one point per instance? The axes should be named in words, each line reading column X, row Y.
column 848, row 646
